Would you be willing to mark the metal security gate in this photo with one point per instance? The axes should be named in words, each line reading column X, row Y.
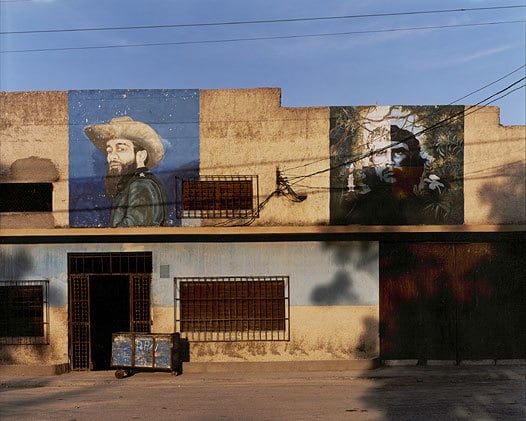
column 140, row 303
column 79, row 321
column 81, row 289
column 445, row 301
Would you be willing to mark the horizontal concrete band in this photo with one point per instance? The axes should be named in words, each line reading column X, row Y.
column 250, row 231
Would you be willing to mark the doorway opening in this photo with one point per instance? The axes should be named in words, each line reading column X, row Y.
column 108, row 293
column 109, row 313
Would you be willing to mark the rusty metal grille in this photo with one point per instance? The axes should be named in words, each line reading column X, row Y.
column 217, row 196
column 79, row 321
column 140, row 308
column 80, row 266
column 233, row 308
column 110, row 263
column 24, row 312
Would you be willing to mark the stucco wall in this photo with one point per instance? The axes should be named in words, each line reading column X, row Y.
column 333, row 294
column 316, row 333
column 34, row 139
column 56, row 352
column 495, row 169
column 247, row 132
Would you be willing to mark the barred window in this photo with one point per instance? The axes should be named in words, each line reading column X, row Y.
column 217, row 196
column 24, row 312
column 233, row 308
column 26, row 197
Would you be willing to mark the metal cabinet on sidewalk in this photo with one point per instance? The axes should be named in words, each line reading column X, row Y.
column 131, row 352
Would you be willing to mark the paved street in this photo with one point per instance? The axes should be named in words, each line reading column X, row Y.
column 395, row 393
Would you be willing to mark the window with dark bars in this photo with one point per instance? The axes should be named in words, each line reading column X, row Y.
column 24, row 312
column 217, row 197
column 233, row 308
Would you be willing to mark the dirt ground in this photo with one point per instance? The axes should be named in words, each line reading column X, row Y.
column 389, row 393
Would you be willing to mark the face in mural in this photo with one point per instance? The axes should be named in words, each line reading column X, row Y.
column 405, row 167
column 132, row 148
column 163, row 129
column 390, row 168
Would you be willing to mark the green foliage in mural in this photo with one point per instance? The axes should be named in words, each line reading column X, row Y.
column 397, row 165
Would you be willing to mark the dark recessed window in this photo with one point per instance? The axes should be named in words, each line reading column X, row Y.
column 24, row 312
column 217, row 197
column 233, row 308
column 26, row 197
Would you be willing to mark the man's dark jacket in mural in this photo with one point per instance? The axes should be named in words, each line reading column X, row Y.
column 140, row 202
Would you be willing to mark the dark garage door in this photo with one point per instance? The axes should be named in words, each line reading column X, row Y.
column 452, row 301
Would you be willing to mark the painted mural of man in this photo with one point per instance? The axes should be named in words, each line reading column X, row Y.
column 387, row 190
column 132, row 149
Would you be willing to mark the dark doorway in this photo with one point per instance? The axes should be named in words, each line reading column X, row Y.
column 107, row 292
column 109, row 313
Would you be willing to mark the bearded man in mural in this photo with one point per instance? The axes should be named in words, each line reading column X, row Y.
column 387, row 188
column 132, row 149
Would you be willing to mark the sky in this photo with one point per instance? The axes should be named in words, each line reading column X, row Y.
column 412, row 67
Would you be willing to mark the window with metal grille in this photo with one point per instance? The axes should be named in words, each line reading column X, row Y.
column 24, row 317
column 217, row 196
column 233, row 308
column 26, row 197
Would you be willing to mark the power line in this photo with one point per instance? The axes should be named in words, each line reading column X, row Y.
column 451, row 103
column 489, row 84
column 217, row 41
column 264, row 21
column 434, row 126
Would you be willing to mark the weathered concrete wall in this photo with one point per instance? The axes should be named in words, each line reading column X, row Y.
column 34, row 139
column 333, row 294
column 247, row 132
column 495, row 169
column 316, row 333
column 54, row 353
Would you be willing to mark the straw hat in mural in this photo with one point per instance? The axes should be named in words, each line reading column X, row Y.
column 126, row 127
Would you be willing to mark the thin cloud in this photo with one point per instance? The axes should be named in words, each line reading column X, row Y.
column 472, row 57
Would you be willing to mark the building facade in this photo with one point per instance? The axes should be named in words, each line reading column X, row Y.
column 259, row 232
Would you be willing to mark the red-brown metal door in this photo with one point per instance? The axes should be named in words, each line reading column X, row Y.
column 417, row 316
column 452, row 301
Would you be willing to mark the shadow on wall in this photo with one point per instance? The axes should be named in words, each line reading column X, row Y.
column 14, row 266
column 368, row 344
column 506, row 194
column 452, row 301
column 340, row 290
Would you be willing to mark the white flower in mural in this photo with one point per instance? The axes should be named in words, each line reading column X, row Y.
column 434, row 182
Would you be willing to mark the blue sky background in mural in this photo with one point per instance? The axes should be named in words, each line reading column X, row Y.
column 410, row 66
column 174, row 114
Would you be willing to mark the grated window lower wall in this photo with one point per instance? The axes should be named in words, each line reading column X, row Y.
column 233, row 308
column 24, row 312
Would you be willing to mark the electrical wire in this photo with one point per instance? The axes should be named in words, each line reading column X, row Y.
column 267, row 38
column 285, row 187
column 434, row 126
column 262, row 21
column 451, row 103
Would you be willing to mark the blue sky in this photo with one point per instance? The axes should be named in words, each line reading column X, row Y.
column 424, row 67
